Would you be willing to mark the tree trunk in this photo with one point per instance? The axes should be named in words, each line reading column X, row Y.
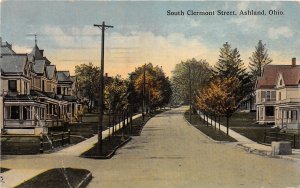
column 227, row 124
column 206, row 120
column 219, row 123
column 109, row 125
column 215, row 122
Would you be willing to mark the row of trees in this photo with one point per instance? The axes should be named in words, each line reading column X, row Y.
column 219, row 90
column 146, row 85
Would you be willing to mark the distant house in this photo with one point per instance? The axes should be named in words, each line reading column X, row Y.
column 29, row 93
column 276, row 92
column 248, row 104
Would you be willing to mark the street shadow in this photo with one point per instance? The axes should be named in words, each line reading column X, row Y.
column 134, row 147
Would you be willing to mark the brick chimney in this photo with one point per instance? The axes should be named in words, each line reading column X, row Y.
column 293, row 62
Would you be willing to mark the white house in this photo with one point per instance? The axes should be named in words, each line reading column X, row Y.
column 287, row 108
column 278, row 95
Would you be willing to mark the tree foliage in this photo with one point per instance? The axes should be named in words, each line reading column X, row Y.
column 88, row 78
column 157, row 91
column 220, row 98
column 198, row 72
column 115, row 94
column 230, row 65
column 258, row 60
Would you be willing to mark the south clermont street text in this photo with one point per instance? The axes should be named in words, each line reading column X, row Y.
column 225, row 13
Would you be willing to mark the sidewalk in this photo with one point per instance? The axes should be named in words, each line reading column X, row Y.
column 254, row 147
column 83, row 146
column 15, row 177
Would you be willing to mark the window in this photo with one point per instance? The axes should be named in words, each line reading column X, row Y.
column 43, row 85
column 26, row 112
column 42, row 113
column 14, row 112
column 269, row 110
column 12, row 85
column 58, row 90
column 268, row 95
column 294, row 115
column 26, row 88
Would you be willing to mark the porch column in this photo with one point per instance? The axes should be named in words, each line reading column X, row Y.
column 33, row 112
column 1, row 113
column 282, row 116
column 71, row 112
column 298, row 113
column 264, row 113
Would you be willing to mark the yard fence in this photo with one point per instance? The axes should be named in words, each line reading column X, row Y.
column 278, row 136
column 55, row 140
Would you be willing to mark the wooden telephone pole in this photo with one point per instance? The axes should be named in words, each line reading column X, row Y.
column 101, row 110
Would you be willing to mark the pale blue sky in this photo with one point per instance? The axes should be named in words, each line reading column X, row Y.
column 144, row 33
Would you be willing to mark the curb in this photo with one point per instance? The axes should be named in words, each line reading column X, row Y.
column 110, row 155
column 253, row 151
column 86, row 181
column 267, row 153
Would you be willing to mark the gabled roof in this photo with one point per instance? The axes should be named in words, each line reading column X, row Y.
column 50, row 70
column 73, row 78
column 291, row 77
column 270, row 73
column 13, row 63
column 6, row 49
column 63, row 76
column 39, row 66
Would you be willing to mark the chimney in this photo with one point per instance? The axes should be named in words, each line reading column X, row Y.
column 293, row 62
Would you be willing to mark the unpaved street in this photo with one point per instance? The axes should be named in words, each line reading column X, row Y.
column 170, row 153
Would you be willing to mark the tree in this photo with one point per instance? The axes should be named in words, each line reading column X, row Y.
column 230, row 65
column 88, row 78
column 200, row 73
column 157, row 91
column 115, row 94
column 258, row 60
column 221, row 97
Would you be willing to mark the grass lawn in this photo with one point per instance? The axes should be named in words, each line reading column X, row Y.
column 20, row 145
column 59, row 178
column 245, row 124
column 109, row 146
column 208, row 130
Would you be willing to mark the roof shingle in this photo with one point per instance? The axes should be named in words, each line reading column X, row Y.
column 291, row 76
column 13, row 63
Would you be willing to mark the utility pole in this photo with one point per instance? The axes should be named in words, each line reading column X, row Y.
column 190, row 91
column 144, row 88
column 100, row 124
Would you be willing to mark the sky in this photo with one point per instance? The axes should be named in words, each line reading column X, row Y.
column 143, row 32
